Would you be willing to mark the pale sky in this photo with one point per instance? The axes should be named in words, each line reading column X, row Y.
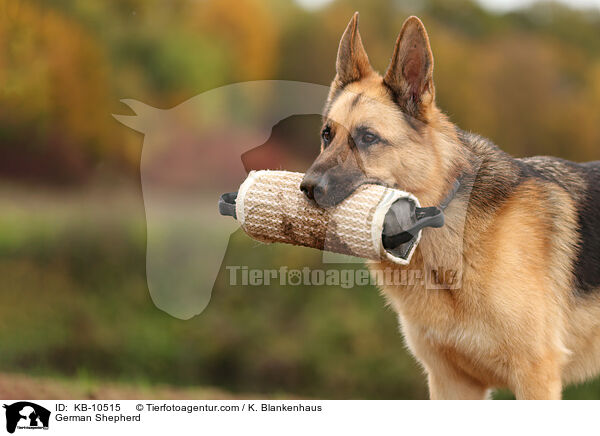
column 504, row 5
column 500, row 5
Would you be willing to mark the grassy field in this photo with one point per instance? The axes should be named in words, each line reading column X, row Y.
column 75, row 306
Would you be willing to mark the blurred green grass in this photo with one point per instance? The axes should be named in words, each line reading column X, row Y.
column 75, row 304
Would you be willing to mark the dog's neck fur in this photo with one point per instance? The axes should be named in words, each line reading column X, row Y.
column 488, row 176
column 492, row 173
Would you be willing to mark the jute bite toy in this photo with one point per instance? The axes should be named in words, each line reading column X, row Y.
column 374, row 222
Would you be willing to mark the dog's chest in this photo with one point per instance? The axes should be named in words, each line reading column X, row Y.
column 437, row 327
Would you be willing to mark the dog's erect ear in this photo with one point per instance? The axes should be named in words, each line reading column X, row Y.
column 410, row 74
column 352, row 61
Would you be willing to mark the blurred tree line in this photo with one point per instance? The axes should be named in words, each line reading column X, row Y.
column 528, row 79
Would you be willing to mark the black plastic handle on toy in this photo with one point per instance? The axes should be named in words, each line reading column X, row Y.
column 227, row 204
column 425, row 217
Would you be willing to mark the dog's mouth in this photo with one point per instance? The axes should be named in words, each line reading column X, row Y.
column 334, row 195
column 329, row 193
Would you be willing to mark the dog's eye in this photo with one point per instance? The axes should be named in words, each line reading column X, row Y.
column 369, row 138
column 326, row 135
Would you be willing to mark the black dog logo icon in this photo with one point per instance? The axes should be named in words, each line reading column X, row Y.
column 24, row 414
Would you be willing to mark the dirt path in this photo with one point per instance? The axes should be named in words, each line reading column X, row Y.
column 21, row 387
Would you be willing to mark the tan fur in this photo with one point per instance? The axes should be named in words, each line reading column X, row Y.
column 505, row 326
column 508, row 316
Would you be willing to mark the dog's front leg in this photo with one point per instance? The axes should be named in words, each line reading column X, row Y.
column 541, row 381
column 448, row 384
column 446, row 381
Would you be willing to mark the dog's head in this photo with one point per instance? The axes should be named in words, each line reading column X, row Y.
column 381, row 129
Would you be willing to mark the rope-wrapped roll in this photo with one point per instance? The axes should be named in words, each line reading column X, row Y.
column 271, row 208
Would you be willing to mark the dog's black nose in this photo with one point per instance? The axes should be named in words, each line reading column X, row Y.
column 308, row 187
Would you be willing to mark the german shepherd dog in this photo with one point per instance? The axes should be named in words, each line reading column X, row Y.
column 524, row 233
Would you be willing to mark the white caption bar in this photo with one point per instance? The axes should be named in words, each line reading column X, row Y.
column 297, row 417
